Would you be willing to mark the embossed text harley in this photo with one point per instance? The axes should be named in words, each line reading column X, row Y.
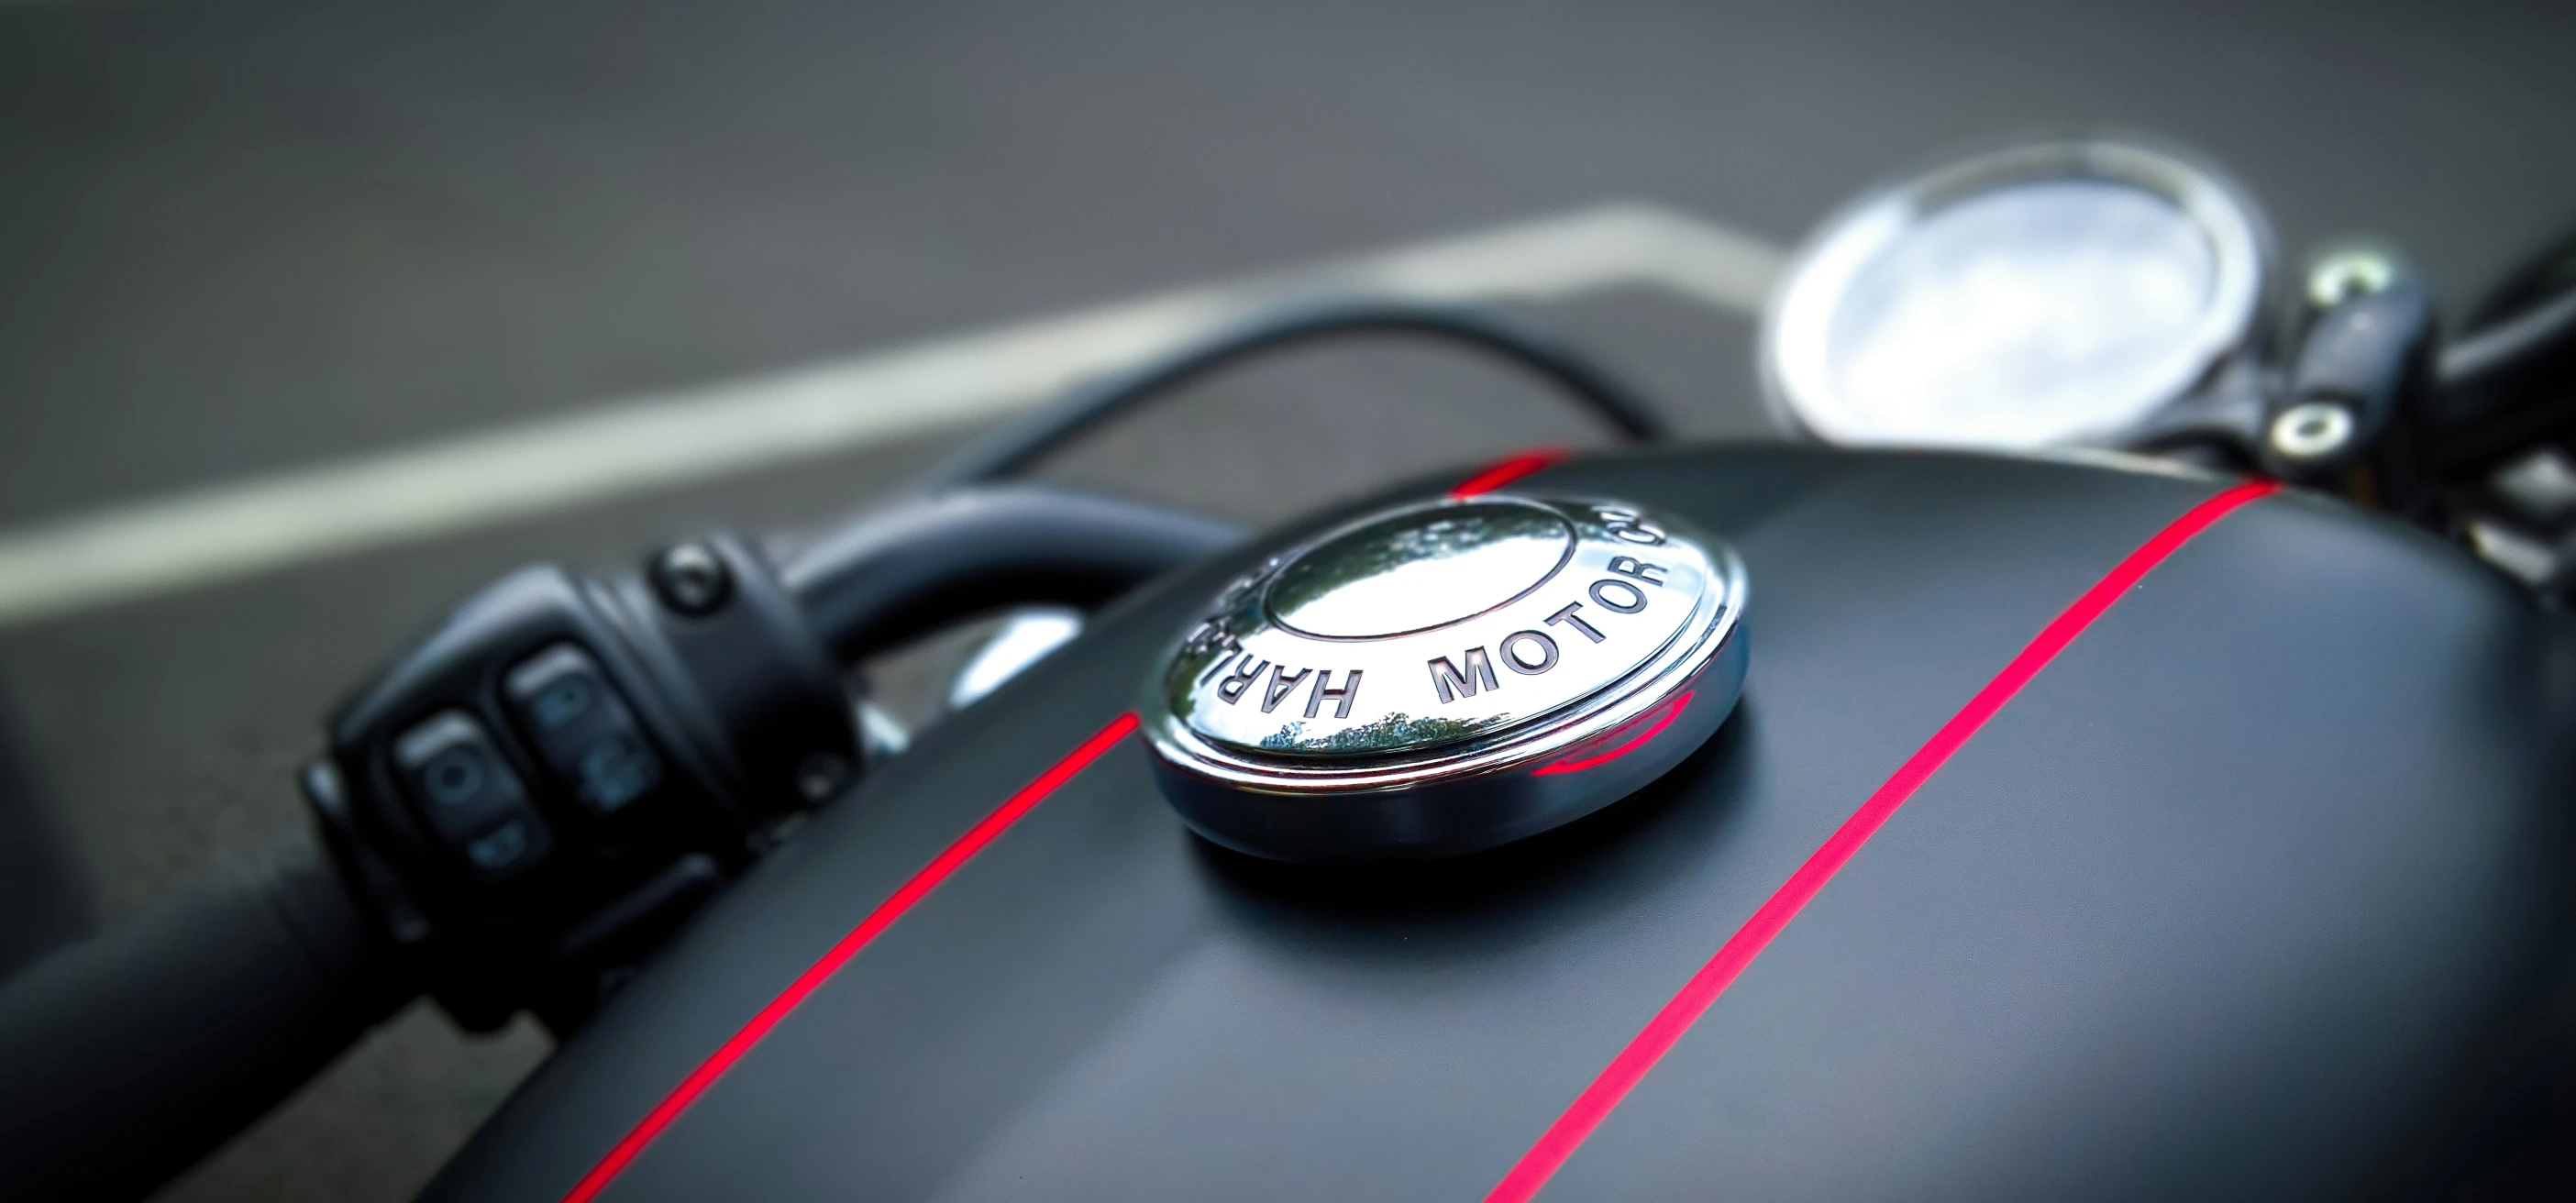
column 1447, row 676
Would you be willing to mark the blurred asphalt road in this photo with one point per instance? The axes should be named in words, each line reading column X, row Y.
column 243, row 236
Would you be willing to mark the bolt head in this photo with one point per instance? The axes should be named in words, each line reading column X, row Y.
column 2311, row 430
column 691, row 579
column 2355, row 271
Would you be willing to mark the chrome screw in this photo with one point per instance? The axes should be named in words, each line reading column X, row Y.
column 2355, row 271
column 2311, row 430
column 691, row 579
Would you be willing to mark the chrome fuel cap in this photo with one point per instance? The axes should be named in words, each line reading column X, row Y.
column 1448, row 676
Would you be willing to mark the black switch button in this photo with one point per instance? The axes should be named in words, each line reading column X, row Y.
column 517, row 841
column 468, row 795
column 583, row 729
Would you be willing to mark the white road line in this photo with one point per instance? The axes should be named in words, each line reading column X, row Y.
column 164, row 544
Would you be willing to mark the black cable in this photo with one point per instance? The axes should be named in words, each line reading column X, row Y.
column 2526, row 318
column 1022, row 443
column 2526, row 338
column 2542, row 274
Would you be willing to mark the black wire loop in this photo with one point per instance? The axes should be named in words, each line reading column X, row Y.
column 1015, row 447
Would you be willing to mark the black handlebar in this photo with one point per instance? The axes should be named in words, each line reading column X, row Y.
column 921, row 565
column 128, row 1056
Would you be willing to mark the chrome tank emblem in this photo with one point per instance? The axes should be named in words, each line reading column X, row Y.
column 1448, row 676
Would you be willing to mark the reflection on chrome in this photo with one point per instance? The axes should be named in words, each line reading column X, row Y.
column 1419, row 570
column 1025, row 637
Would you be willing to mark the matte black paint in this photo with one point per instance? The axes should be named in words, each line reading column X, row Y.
column 2221, row 905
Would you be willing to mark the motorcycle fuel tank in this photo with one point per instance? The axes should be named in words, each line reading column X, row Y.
column 2081, row 830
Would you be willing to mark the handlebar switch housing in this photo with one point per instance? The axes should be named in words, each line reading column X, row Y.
column 558, row 773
